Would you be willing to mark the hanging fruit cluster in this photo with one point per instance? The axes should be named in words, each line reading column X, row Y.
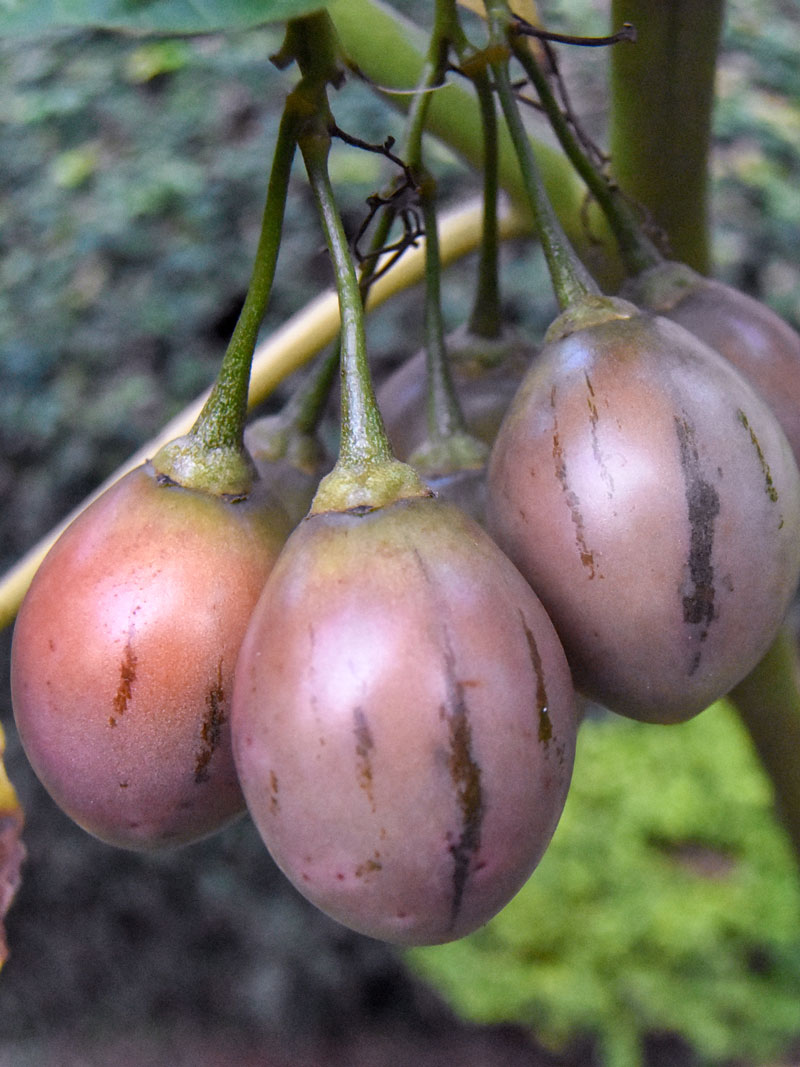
column 388, row 688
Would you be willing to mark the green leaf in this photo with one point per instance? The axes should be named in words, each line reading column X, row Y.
column 29, row 17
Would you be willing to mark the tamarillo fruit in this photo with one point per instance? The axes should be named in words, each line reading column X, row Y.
column 651, row 499
column 403, row 720
column 123, row 657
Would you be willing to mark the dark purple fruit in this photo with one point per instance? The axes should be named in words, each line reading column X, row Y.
column 123, row 658
column 403, row 721
column 652, row 501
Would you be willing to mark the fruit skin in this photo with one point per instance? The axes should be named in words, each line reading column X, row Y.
column 403, row 721
column 485, row 375
column 123, row 657
column 652, row 501
column 290, row 463
column 747, row 333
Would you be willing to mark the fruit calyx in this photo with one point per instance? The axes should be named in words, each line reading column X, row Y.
column 588, row 311
column 662, row 287
column 224, row 471
column 458, row 451
column 465, row 346
column 363, row 488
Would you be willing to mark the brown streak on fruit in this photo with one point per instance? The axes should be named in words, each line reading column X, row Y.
column 545, row 722
column 274, row 803
column 364, row 747
column 573, row 503
column 370, row 866
column 702, row 501
column 465, row 775
column 594, row 418
column 771, row 491
column 211, row 731
column 127, row 676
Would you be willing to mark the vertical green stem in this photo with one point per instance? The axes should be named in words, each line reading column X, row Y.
column 388, row 48
column 486, row 318
column 304, row 409
column 444, row 413
column 662, row 92
column 768, row 701
column 637, row 250
column 221, row 422
column 571, row 280
column 211, row 457
column 364, row 441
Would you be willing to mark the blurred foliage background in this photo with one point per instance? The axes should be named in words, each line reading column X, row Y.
column 132, row 177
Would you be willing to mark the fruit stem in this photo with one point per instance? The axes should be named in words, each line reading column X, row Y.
column 637, row 250
column 364, row 439
column 366, row 474
column 304, row 409
column 211, row 456
column 432, row 75
column 388, row 49
column 768, row 703
column 294, row 427
column 571, row 280
column 444, row 412
column 486, row 319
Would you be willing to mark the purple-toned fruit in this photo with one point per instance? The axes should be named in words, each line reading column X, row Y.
column 485, row 375
column 403, row 721
column 747, row 333
column 651, row 499
column 123, row 657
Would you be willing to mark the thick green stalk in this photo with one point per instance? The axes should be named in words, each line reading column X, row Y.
column 662, row 93
column 768, row 701
column 570, row 278
column 211, row 456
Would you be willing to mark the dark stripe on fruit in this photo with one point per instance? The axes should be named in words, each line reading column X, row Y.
column 545, row 722
column 274, row 802
column 364, row 747
column 771, row 491
column 594, row 418
column 127, row 676
column 573, row 503
column 465, row 772
column 211, row 730
column 702, row 501
column 465, row 775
